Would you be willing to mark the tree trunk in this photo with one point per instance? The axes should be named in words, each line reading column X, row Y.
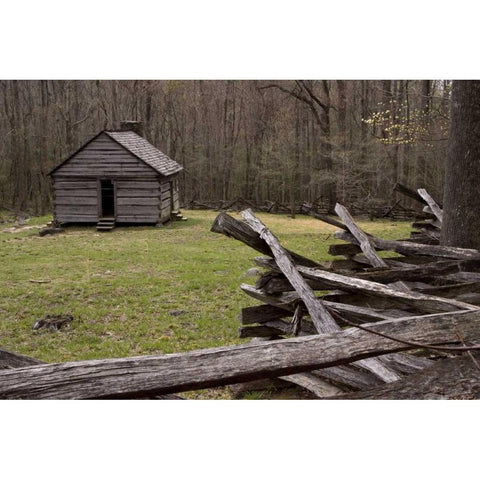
column 461, row 225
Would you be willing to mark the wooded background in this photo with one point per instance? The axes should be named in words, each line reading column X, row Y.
column 286, row 141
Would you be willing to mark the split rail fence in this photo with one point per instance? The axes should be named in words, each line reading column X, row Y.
column 361, row 326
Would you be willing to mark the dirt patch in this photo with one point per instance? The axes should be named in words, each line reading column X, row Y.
column 15, row 229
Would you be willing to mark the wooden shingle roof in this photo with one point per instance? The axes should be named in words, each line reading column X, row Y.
column 145, row 151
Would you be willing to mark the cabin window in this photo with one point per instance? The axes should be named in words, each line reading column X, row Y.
column 107, row 198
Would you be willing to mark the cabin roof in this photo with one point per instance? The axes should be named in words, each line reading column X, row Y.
column 138, row 146
column 145, row 151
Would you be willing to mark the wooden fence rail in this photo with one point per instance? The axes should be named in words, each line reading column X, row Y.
column 136, row 377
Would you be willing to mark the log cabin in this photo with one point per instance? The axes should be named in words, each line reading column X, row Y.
column 116, row 177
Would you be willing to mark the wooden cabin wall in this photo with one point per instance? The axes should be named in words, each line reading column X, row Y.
column 75, row 200
column 166, row 200
column 138, row 201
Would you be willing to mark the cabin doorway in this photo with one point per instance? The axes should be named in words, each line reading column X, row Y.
column 107, row 198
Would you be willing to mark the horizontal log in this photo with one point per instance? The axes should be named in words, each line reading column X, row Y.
column 346, row 249
column 128, row 377
column 146, row 210
column 75, row 185
column 402, row 271
column 464, row 276
column 257, row 331
column 14, row 360
column 102, row 160
column 378, row 303
column 79, row 192
column 66, row 218
column 455, row 378
column 91, row 200
column 261, row 314
column 322, row 280
column 408, row 248
column 406, row 363
column 288, row 302
column 137, row 201
column 452, row 291
column 110, row 171
column 138, row 192
column 426, row 303
column 349, row 376
column 76, row 210
column 313, row 384
column 425, row 272
column 137, row 219
column 136, row 184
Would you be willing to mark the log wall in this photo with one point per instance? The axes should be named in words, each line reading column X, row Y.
column 75, row 200
column 137, row 201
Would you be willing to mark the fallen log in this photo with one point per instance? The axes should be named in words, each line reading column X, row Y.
column 138, row 376
column 447, row 379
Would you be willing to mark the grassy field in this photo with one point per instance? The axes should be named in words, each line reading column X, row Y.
column 139, row 290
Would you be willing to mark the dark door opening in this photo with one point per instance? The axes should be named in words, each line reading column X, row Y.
column 108, row 198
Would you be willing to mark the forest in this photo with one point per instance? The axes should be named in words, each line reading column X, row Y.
column 288, row 141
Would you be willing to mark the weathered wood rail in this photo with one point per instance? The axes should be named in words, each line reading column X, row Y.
column 136, row 377
column 303, row 297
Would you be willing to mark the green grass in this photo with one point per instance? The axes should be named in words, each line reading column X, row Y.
column 122, row 287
